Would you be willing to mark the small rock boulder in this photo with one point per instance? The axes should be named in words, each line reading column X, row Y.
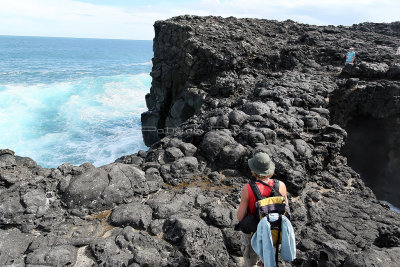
column 57, row 256
column 173, row 153
column 256, row 108
column 195, row 238
column 237, row 117
column 7, row 159
column 231, row 154
column 85, row 190
column 136, row 215
column 218, row 215
column 35, row 202
column 214, row 142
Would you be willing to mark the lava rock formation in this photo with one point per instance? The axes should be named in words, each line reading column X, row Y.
column 222, row 90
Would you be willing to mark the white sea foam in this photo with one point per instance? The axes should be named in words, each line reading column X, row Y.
column 85, row 120
column 147, row 63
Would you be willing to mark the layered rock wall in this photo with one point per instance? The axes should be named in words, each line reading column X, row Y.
column 191, row 57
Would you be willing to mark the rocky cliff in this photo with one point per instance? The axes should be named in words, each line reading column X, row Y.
column 222, row 90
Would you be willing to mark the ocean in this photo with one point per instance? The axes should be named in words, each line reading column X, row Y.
column 73, row 100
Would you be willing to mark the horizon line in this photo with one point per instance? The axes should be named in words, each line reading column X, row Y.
column 68, row 37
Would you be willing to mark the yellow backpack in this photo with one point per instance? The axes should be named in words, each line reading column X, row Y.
column 274, row 203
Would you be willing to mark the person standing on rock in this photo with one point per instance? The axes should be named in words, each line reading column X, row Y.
column 397, row 56
column 262, row 168
column 351, row 56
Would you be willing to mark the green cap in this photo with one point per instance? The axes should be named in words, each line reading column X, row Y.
column 261, row 164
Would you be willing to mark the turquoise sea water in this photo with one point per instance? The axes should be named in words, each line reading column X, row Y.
column 72, row 100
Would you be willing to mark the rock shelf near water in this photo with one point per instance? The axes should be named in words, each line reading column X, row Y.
column 222, row 90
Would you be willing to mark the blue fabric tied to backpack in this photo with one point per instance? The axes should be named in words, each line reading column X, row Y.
column 262, row 240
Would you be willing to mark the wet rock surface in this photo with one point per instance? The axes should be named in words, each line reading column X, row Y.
column 222, row 90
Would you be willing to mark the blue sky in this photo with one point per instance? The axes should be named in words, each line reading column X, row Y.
column 132, row 19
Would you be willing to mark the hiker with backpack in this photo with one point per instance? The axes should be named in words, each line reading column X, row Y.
column 263, row 216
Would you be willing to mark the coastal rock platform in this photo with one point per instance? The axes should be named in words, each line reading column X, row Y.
column 222, row 90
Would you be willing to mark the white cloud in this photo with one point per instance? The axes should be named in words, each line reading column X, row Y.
column 77, row 19
column 309, row 11
column 74, row 19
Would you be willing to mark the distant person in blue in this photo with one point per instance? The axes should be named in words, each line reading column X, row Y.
column 397, row 56
column 351, row 56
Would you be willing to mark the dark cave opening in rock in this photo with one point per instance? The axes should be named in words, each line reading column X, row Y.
column 373, row 150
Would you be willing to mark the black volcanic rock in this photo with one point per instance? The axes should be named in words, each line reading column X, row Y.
column 85, row 189
column 54, row 256
column 222, row 90
column 134, row 214
column 197, row 240
column 13, row 244
column 214, row 142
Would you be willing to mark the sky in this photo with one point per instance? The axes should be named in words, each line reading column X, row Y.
column 131, row 19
